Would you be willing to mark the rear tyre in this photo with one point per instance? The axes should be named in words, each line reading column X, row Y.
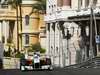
column 1, row 64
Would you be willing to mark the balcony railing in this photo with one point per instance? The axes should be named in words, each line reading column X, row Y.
column 64, row 14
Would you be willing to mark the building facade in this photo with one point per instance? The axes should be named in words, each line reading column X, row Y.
column 69, row 30
column 8, row 25
column 32, row 30
column 33, row 26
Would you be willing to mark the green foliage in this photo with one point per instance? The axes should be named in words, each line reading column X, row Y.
column 40, row 5
column 42, row 50
column 9, row 40
column 36, row 47
column 19, row 55
column 7, row 54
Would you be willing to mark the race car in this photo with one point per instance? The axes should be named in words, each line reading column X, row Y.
column 35, row 62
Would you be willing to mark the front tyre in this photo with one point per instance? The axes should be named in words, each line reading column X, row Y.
column 50, row 68
column 22, row 68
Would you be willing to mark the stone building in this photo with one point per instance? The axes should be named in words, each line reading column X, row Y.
column 33, row 26
column 34, row 30
column 72, row 17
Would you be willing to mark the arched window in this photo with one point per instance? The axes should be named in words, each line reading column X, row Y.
column 26, row 39
column 87, row 3
column 79, row 4
column 27, row 20
column 94, row 2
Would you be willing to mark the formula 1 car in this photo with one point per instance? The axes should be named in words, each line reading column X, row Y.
column 35, row 63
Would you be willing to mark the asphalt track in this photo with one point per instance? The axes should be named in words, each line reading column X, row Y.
column 75, row 71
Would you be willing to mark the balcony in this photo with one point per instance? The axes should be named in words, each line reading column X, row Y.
column 64, row 14
column 59, row 15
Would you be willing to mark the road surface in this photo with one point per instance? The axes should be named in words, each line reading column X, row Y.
column 79, row 71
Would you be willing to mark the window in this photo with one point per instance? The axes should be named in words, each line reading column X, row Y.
column 27, row 20
column 52, row 8
column 94, row 2
column 48, row 26
column 3, row 39
column 59, row 3
column 53, row 26
column 87, row 3
column 79, row 4
column 70, row 3
column 26, row 39
column 49, row 7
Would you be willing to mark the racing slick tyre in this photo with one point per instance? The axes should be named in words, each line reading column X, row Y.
column 22, row 68
column 1, row 64
column 50, row 68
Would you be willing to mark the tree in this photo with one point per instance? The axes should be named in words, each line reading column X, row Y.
column 39, row 6
column 36, row 47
